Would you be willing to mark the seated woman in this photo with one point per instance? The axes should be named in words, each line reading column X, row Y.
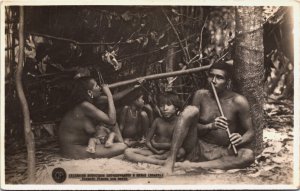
column 78, row 124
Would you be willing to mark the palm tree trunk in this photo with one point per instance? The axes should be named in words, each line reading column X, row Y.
column 248, row 65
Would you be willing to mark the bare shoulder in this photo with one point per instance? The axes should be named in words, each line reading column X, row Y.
column 87, row 105
column 86, row 108
column 158, row 120
column 202, row 92
column 199, row 95
column 240, row 100
column 155, row 122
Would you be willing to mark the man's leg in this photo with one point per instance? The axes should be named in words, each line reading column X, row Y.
column 115, row 150
column 244, row 159
column 142, row 155
column 164, row 156
column 184, row 135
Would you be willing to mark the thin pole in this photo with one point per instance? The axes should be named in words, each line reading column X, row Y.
column 161, row 75
column 222, row 114
column 29, row 137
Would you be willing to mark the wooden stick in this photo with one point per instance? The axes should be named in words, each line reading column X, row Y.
column 29, row 137
column 161, row 75
column 222, row 114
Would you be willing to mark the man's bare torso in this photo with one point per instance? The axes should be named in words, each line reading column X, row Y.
column 209, row 111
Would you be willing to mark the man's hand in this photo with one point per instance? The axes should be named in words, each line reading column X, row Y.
column 220, row 123
column 106, row 89
column 236, row 139
column 154, row 150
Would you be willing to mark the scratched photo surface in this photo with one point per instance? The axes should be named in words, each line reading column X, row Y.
column 105, row 95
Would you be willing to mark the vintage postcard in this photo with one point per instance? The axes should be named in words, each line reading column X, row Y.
column 149, row 95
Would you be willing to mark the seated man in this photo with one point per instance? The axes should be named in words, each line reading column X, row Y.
column 211, row 150
column 159, row 138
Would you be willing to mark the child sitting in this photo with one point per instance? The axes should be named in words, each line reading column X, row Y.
column 103, row 136
column 159, row 137
column 134, row 122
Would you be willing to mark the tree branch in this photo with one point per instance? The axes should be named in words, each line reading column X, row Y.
column 75, row 42
column 200, row 43
column 177, row 35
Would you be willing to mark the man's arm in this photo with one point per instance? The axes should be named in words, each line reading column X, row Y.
column 218, row 123
column 201, row 128
column 245, row 123
column 163, row 146
column 197, row 98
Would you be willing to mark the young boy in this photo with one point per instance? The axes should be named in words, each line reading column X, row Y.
column 159, row 138
column 103, row 136
column 134, row 122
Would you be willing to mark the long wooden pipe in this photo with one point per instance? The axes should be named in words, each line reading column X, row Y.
column 222, row 114
column 161, row 75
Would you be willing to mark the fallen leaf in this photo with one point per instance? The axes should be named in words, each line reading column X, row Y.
column 234, row 170
column 274, row 148
column 255, row 174
column 279, row 160
column 264, row 173
column 268, row 168
column 216, row 171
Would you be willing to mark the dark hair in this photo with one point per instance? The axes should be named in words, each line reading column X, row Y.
column 170, row 98
column 79, row 91
column 223, row 66
column 132, row 96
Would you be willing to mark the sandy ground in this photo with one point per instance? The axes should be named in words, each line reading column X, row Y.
column 95, row 171
column 273, row 166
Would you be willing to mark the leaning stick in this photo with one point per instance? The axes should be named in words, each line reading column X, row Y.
column 161, row 75
column 222, row 114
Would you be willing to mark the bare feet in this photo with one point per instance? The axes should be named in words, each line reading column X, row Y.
column 108, row 144
column 186, row 164
column 126, row 142
column 167, row 169
column 90, row 150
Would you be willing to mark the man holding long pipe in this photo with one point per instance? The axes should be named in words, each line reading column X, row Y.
column 222, row 120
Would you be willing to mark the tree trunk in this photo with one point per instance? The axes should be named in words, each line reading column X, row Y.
column 248, row 66
column 29, row 137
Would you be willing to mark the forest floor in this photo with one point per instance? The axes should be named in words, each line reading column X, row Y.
column 273, row 166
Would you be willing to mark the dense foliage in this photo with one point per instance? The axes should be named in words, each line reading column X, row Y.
column 62, row 41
